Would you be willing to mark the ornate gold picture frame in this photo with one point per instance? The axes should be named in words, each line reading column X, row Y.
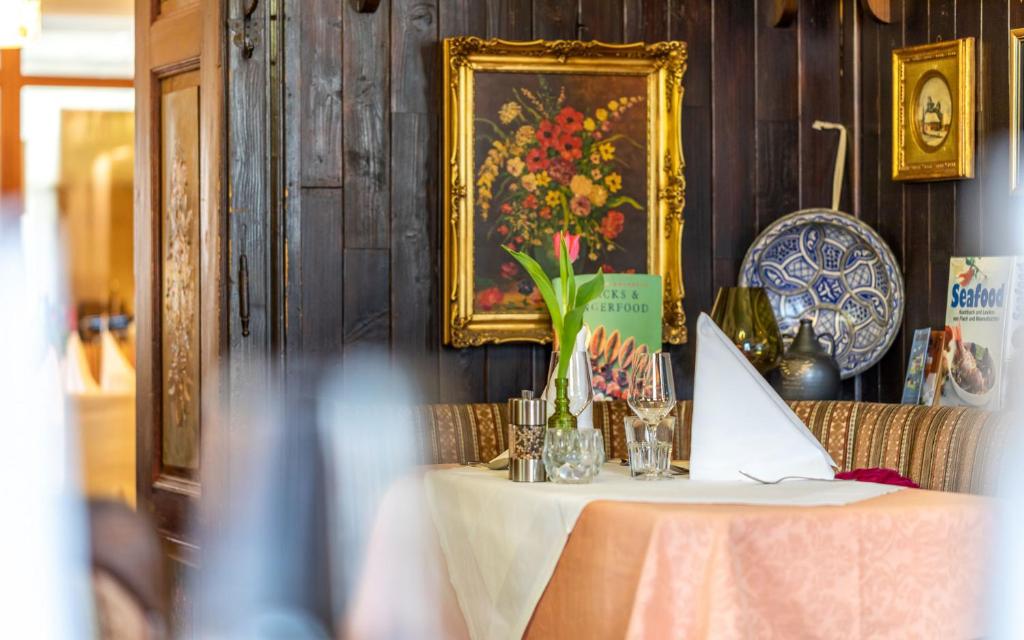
column 545, row 135
column 933, row 111
column 1016, row 110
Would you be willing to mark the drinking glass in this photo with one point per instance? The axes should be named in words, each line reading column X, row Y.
column 650, row 450
column 573, row 456
column 652, row 395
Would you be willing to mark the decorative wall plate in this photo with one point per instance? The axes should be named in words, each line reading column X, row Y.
column 835, row 270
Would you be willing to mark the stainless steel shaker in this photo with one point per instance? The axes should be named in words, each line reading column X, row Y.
column 527, row 425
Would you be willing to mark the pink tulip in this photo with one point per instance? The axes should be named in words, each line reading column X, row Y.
column 572, row 243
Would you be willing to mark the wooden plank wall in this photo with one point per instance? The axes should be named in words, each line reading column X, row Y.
column 927, row 223
column 362, row 122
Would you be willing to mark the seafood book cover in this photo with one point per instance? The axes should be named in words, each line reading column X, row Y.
column 984, row 330
column 623, row 321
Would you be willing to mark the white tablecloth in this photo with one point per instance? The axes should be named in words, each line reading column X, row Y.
column 104, row 425
column 502, row 540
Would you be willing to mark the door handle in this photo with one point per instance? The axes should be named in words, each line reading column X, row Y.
column 243, row 294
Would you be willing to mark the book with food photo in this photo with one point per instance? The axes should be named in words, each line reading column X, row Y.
column 984, row 330
column 624, row 321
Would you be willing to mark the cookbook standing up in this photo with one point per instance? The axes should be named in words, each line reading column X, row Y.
column 984, row 331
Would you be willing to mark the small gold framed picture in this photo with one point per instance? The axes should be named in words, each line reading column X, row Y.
column 933, row 111
column 1016, row 110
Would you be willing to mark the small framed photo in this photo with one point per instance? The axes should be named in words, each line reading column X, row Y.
column 933, row 111
column 1016, row 110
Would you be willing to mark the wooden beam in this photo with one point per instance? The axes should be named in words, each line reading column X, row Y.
column 11, row 171
column 60, row 81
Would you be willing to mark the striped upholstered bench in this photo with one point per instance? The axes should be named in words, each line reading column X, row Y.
column 941, row 448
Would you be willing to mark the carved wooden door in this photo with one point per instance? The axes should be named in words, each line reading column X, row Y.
column 179, row 251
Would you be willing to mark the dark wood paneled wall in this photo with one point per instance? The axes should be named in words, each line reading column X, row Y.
column 926, row 223
column 362, row 157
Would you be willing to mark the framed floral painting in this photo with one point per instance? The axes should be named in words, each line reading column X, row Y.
column 549, row 137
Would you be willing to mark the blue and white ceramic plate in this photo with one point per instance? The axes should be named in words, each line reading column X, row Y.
column 835, row 270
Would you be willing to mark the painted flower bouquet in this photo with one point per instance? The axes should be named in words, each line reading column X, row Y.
column 552, row 169
column 566, row 316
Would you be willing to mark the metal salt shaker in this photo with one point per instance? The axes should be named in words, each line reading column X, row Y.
column 527, row 424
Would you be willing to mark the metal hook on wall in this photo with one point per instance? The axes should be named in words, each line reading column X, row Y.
column 244, row 39
column 840, row 167
column 366, row 6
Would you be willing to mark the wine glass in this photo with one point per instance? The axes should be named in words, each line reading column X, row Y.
column 652, row 394
column 652, row 390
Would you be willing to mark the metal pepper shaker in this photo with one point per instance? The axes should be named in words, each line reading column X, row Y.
column 527, row 424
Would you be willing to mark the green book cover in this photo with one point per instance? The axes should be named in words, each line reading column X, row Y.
column 624, row 320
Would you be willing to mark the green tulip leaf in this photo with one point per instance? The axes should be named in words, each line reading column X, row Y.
column 590, row 290
column 543, row 285
column 572, row 326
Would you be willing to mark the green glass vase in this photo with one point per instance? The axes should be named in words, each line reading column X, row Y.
column 561, row 418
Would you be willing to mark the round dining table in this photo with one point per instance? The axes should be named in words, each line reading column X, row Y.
column 909, row 564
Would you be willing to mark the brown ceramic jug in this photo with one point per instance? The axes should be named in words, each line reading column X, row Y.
column 807, row 371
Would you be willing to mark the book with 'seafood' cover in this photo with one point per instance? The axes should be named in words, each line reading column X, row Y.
column 623, row 321
column 984, row 331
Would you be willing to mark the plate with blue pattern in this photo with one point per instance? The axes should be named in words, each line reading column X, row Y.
column 835, row 270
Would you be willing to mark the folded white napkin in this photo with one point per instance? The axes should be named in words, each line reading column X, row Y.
column 78, row 377
column 116, row 374
column 740, row 425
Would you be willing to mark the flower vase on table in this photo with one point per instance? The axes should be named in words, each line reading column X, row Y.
column 562, row 418
column 571, row 456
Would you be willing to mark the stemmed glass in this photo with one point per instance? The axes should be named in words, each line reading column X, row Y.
column 652, row 394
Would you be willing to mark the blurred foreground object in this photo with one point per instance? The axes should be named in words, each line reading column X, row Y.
column 44, row 586
column 1008, row 561
column 317, row 528
column 262, row 521
column 127, row 573
column 386, row 582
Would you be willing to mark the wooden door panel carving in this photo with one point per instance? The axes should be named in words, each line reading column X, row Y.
column 179, row 252
column 180, row 299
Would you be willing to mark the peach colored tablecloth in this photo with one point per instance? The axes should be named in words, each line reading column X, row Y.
column 905, row 565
